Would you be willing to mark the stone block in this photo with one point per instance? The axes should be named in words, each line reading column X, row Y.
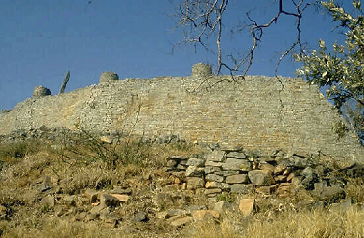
column 213, row 184
column 280, row 168
column 221, row 206
column 214, row 178
column 108, row 200
column 237, row 164
column 246, row 206
column 108, row 76
column 285, row 190
column 214, row 191
column 280, row 178
column 200, row 215
column 181, row 221
column 241, row 188
column 266, row 190
column 238, row 178
column 227, row 173
column 216, row 156
column 211, row 169
column 41, row 91
column 194, row 171
column 201, row 70
column 237, row 155
column 260, row 177
column 266, row 166
column 195, row 162
column 121, row 197
column 213, row 163
column 195, row 182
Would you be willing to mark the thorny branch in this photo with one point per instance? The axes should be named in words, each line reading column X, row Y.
column 205, row 18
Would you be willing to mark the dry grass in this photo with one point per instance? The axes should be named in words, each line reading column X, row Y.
column 310, row 224
column 73, row 169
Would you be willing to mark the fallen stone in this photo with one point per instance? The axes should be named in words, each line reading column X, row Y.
column 280, row 168
column 221, row 206
column 287, row 171
column 238, row 178
column 140, row 217
column 120, row 190
column 298, row 161
column 237, row 164
column 163, row 200
column 2, row 212
column 200, row 215
column 48, row 201
column 280, row 178
column 246, row 206
column 44, row 187
column 175, row 212
column 91, row 194
column 59, row 210
column 332, row 194
column 121, row 197
column 98, row 209
column 181, row 221
column 195, row 207
column 296, row 180
column 260, row 177
column 106, row 139
column 108, row 200
column 91, row 217
column 290, row 177
column 69, row 200
column 309, row 177
column 285, row 190
column 81, row 216
column 341, row 206
column 181, row 167
column 266, row 190
column 319, row 187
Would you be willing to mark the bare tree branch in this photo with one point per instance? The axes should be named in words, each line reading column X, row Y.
column 204, row 18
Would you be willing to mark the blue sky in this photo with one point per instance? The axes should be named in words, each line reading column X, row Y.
column 42, row 39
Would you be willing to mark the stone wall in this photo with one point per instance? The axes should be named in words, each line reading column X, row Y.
column 255, row 113
column 246, row 172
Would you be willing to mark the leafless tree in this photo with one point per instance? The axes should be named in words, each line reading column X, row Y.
column 203, row 19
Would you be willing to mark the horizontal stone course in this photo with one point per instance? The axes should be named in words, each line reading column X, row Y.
column 280, row 177
column 255, row 113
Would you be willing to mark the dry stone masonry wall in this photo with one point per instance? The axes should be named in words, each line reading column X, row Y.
column 255, row 113
column 236, row 171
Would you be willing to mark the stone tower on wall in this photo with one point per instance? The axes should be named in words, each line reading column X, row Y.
column 258, row 113
column 201, row 70
column 108, row 77
column 41, row 91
